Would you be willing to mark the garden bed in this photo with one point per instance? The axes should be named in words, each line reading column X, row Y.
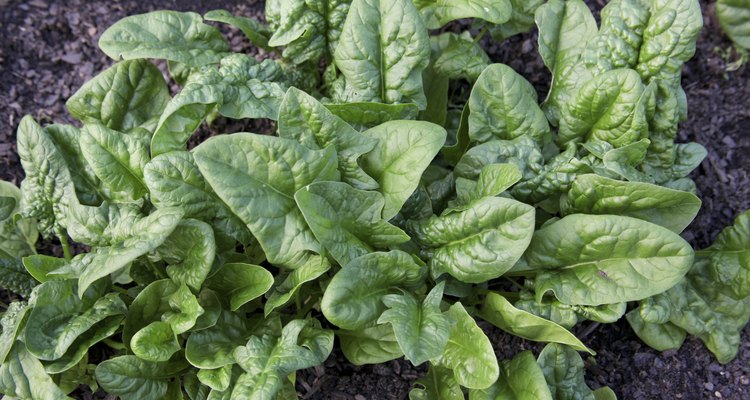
column 49, row 49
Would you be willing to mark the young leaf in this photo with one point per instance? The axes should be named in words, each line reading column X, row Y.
column 459, row 56
column 604, row 259
column 520, row 379
column 469, row 352
column 171, row 35
column 730, row 256
column 479, row 243
column 121, row 98
column 306, row 120
column 382, row 51
column 439, row 383
column 212, row 347
column 312, row 269
column 734, row 17
column 493, row 180
column 420, row 329
column 131, row 378
column 593, row 194
column 563, row 370
column 258, row 181
column 499, row 312
column 254, row 31
column 660, row 336
column 13, row 275
column 504, row 106
column 367, row 115
column 522, row 152
column 241, row 283
column 347, row 221
column 155, row 342
column 373, row 345
column 403, row 152
column 354, row 297
column 189, row 250
column 437, row 13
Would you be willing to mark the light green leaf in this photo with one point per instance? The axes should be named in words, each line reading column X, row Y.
column 311, row 270
column 254, row 31
column 381, row 53
column 241, row 283
column 131, row 378
column 522, row 152
column 498, row 311
column 520, row 379
column 367, row 115
column 117, row 159
column 604, row 259
column 372, row 345
column 504, row 106
column 22, row 376
column 104, row 225
column 420, row 329
column 734, row 17
column 60, row 319
column 403, row 152
column 563, row 371
column 217, row 379
column 13, row 275
column 437, row 13
column 258, row 181
column 155, row 342
column 306, row 120
column 354, row 297
column 479, row 243
column 38, row 265
column 268, row 360
column 593, row 194
column 171, row 35
column 212, row 348
column 660, row 336
column 66, row 138
column 730, row 256
column 459, row 57
column 521, row 19
column 189, row 250
column 438, row 384
column 122, row 97
column 13, row 321
column 347, row 221
column 469, row 352
column 493, row 180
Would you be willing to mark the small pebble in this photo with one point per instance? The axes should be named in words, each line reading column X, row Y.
column 717, row 394
column 709, row 386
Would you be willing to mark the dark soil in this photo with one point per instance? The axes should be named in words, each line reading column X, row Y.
column 49, row 49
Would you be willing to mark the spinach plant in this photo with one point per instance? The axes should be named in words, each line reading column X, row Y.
column 384, row 213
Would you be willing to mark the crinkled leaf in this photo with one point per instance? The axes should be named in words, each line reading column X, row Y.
column 22, row 376
column 382, row 51
column 437, row 13
column 171, row 35
column 520, row 379
column 403, row 152
column 306, row 120
column 660, row 336
column 734, row 17
column 155, row 342
column 122, row 97
column 311, row 270
column 372, row 345
column 347, row 221
column 13, row 321
column 521, row 19
column 189, row 250
column 604, row 259
column 258, row 181
column 131, row 378
column 241, row 283
column 421, row 329
column 563, row 370
column 439, row 383
column 354, row 297
column 498, row 311
column 493, row 180
column 469, row 352
column 367, row 115
column 730, row 256
column 522, row 152
column 593, row 194
column 460, row 57
column 13, row 275
column 479, row 243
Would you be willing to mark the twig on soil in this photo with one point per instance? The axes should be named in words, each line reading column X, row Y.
column 589, row 330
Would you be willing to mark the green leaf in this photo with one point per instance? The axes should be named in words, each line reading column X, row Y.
column 47, row 188
column 347, row 221
column 439, row 383
column 354, row 297
column 381, row 53
column 520, row 379
column 255, row 31
column 734, row 17
column 38, row 265
column 611, row 107
column 13, row 275
column 217, row 379
column 437, row 13
column 60, row 319
column 730, row 256
column 146, row 235
column 504, row 106
column 499, row 312
column 662, row 337
column 367, row 115
column 479, row 243
column 22, row 376
column 306, row 120
column 493, row 180
column 268, row 360
column 593, row 194
column 460, row 57
column 212, row 347
column 420, row 329
column 174, row 180
column 563, row 371
column 13, row 321
column 469, row 352
column 122, row 97
column 189, row 250
column 522, row 152
column 311, row 270
column 403, row 152
column 131, row 378
column 117, row 159
column 104, row 225
column 67, row 140
column 521, row 19
column 564, row 27
column 373, row 345
column 604, row 259
column 155, row 342
column 258, row 181
column 241, row 283
column 171, row 35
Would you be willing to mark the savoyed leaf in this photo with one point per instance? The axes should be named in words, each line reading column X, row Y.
column 730, row 256
column 372, row 345
column 563, row 370
column 22, row 376
column 131, row 378
column 437, row 13
column 189, row 250
column 241, row 283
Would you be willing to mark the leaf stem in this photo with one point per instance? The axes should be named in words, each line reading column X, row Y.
column 113, row 344
column 65, row 245
column 481, row 34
